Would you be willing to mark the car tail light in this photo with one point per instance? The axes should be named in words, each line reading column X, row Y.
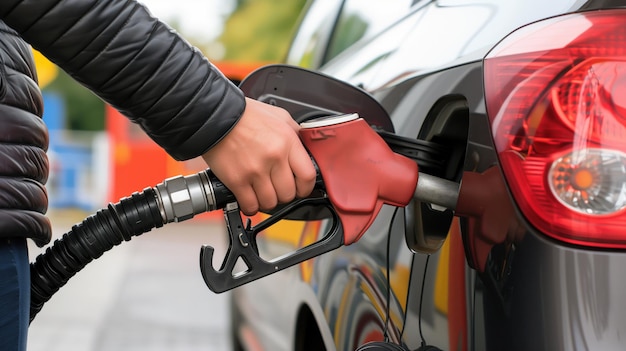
column 556, row 98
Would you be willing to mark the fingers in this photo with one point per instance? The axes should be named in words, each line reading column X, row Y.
column 246, row 198
column 262, row 160
column 264, row 193
column 266, row 198
column 284, row 184
column 303, row 170
column 280, row 186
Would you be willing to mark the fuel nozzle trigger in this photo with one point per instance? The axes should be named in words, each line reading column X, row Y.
column 243, row 247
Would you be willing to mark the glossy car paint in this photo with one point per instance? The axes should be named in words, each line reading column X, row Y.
column 535, row 293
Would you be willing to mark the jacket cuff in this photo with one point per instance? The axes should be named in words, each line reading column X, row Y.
column 222, row 120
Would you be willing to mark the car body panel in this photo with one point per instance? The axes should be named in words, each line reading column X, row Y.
column 535, row 292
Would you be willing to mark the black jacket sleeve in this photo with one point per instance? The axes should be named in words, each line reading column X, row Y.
column 137, row 64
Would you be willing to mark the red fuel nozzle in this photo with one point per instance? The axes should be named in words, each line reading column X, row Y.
column 360, row 171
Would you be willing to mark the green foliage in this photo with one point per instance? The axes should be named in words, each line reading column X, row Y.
column 260, row 30
column 84, row 110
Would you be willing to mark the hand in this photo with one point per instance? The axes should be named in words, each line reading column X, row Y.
column 262, row 160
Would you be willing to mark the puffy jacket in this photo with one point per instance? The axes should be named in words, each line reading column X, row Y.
column 125, row 56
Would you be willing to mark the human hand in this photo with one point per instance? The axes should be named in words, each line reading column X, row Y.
column 262, row 160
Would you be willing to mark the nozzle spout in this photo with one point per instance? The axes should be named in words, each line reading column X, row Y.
column 437, row 191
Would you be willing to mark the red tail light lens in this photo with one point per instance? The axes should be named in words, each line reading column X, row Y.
column 556, row 98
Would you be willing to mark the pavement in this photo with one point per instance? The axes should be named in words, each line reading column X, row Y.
column 145, row 294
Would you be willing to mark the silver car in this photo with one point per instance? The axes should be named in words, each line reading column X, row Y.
column 527, row 101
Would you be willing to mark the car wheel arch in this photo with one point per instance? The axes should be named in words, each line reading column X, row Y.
column 307, row 336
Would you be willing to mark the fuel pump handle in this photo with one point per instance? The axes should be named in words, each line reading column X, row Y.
column 360, row 173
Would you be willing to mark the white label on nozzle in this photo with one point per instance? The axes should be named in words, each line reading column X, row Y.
column 328, row 121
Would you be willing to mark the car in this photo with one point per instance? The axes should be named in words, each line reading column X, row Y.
column 527, row 100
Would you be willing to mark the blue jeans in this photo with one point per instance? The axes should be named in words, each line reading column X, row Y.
column 14, row 294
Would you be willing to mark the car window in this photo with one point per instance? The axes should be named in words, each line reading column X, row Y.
column 430, row 37
column 362, row 19
column 329, row 27
column 309, row 43
column 444, row 34
column 359, row 63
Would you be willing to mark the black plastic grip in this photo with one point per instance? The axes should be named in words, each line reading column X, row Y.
column 222, row 194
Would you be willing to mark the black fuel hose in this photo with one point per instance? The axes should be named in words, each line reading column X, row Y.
column 176, row 199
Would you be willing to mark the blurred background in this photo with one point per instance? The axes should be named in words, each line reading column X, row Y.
column 146, row 294
column 93, row 149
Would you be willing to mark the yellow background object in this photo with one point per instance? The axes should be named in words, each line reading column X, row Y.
column 46, row 70
column 441, row 279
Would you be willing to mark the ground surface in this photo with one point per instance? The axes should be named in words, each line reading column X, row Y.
column 145, row 294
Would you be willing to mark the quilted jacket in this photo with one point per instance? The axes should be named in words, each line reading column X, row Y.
column 124, row 55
